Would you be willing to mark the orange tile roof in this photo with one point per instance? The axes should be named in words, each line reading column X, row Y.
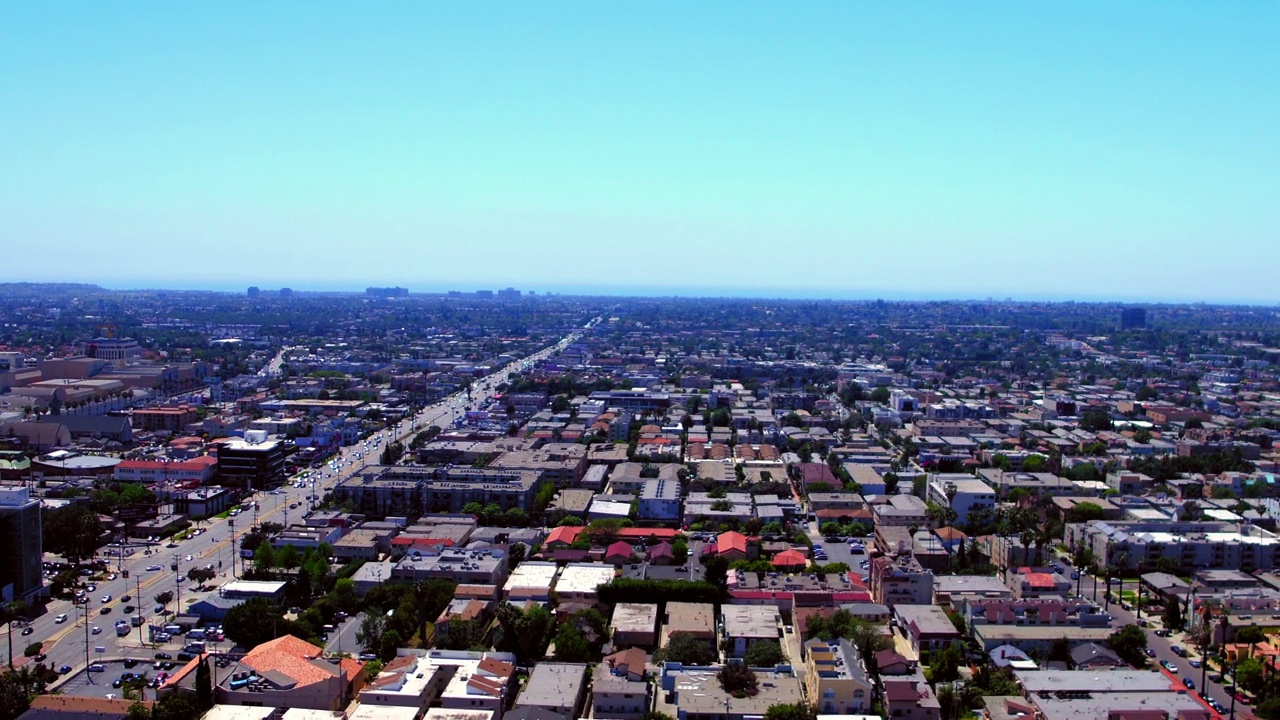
column 790, row 558
column 291, row 656
column 732, row 540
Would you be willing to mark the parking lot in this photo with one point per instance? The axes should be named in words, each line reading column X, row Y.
column 98, row 684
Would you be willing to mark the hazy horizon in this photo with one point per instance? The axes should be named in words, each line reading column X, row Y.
column 1085, row 151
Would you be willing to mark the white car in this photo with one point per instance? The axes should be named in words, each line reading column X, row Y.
column 187, row 558
column 96, row 630
column 60, row 619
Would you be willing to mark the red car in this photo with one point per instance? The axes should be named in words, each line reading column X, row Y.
column 1240, row 698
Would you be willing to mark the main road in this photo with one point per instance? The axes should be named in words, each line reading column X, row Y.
column 74, row 642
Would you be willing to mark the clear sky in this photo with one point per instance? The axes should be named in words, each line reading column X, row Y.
column 1091, row 150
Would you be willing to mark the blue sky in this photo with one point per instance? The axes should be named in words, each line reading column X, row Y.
column 1034, row 150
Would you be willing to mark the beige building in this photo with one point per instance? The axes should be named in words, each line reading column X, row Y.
column 836, row 681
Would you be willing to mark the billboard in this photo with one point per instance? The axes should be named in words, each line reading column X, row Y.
column 132, row 514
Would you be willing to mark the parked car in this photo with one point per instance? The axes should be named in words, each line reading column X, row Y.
column 28, row 630
column 64, row 669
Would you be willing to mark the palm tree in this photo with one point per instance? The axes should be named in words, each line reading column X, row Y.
column 8, row 613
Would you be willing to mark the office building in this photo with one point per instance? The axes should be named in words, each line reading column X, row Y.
column 253, row 463
column 21, row 576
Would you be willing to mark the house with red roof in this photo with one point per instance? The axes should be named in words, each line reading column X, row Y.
column 563, row 536
column 790, row 560
column 619, row 553
column 731, row 545
column 289, row 672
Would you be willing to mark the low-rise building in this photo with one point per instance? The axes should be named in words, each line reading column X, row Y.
column 558, row 687
column 288, row 672
column 696, row 694
column 836, row 679
column 746, row 625
column 900, row 579
column 616, row 694
column 634, row 625
column 926, row 627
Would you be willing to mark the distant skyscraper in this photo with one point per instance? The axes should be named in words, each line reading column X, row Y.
column 254, row 291
column 1133, row 318
column 286, row 292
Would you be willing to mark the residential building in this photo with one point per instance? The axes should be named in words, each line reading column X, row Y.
column 745, row 625
column 634, row 625
column 1073, row 694
column 614, row 694
column 964, row 494
column 899, row 579
column 558, row 687
column 927, row 627
column 487, row 566
column 1189, row 544
column 167, row 419
column 531, row 580
column 659, row 501
column 456, row 681
column 697, row 619
column 695, row 694
column 910, row 698
column 579, row 582
column 836, row 679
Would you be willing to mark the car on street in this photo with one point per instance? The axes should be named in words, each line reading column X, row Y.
column 28, row 630
column 64, row 669
column 1151, row 653
column 126, row 597
column 1177, row 650
column 104, row 611
column 1194, row 663
column 1191, row 684
column 106, row 599
column 60, row 619
column 96, row 630
column 1242, row 698
column 1169, row 666
column 188, row 558
column 97, row 667
column 163, row 656
column 153, row 568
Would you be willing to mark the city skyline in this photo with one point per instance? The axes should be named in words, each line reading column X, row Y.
column 1096, row 152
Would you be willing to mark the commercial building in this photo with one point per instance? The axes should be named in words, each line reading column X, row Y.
column 21, row 545
column 168, row 419
column 196, row 471
column 253, row 463
column 288, row 672
column 1073, row 694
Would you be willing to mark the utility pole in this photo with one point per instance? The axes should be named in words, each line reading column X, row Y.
column 232, row 523
column 138, row 598
column 88, row 674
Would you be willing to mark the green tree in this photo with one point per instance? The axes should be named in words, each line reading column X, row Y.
column 10, row 612
column 1248, row 674
column 370, row 633
column 944, row 664
column 254, row 622
column 1172, row 616
column 164, row 598
column 571, row 646
column 789, row 711
column 880, row 394
column 390, row 644
column 737, row 679
column 1250, row 634
column 1130, row 643
column 204, row 684
column 688, row 649
column 72, row 531
column 525, row 632
column 764, row 653
column 1084, row 512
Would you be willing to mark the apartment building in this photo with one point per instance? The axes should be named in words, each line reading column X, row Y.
column 836, row 680
column 900, row 579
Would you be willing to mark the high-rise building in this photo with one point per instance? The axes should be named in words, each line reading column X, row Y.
column 21, row 545
column 1133, row 318
column 254, row 291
